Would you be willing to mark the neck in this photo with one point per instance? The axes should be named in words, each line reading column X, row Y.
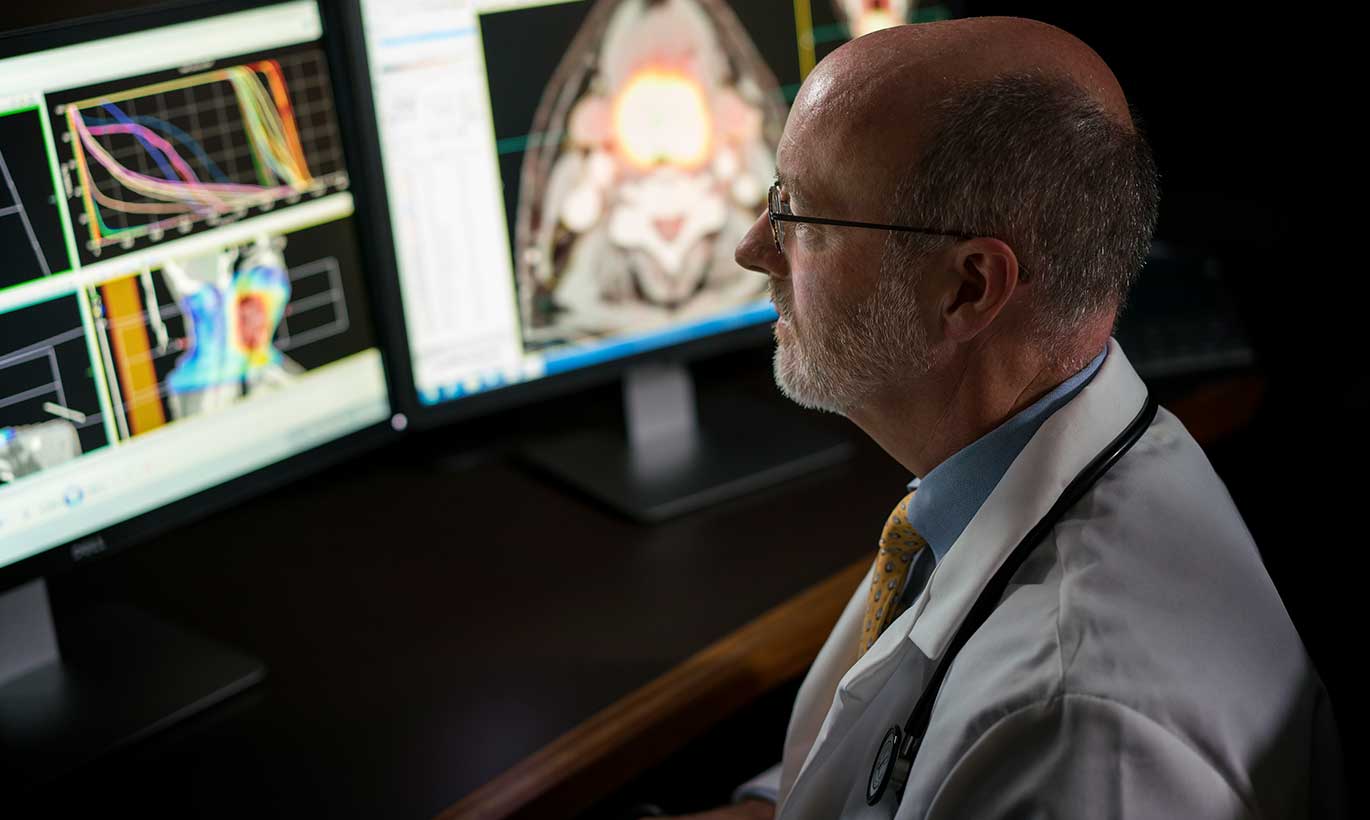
column 924, row 422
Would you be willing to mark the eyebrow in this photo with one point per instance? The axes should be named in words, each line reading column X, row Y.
column 795, row 188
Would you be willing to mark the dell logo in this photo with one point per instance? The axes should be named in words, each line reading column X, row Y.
column 88, row 547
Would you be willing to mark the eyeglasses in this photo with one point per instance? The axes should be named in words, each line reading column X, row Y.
column 779, row 213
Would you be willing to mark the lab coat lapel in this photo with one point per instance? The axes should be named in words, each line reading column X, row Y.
column 1060, row 450
column 1066, row 442
column 848, row 702
column 812, row 706
column 846, row 694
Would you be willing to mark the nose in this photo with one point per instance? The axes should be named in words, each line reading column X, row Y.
column 757, row 251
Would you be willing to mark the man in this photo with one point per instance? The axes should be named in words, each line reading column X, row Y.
column 1140, row 663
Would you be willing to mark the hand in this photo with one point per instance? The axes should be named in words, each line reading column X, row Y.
column 746, row 810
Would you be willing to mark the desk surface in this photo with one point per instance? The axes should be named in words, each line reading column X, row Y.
column 427, row 626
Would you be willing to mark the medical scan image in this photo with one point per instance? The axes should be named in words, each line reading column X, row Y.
column 235, row 300
column 656, row 138
column 195, row 334
column 208, row 329
column 864, row 16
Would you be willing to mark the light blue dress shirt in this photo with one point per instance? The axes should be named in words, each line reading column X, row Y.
column 953, row 491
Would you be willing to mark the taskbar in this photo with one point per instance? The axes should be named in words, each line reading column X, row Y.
column 591, row 353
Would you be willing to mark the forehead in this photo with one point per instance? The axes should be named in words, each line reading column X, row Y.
column 829, row 169
column 807, row 169
column 861, row 117
column 842, row 142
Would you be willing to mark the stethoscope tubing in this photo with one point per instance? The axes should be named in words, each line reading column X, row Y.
column 899, row 747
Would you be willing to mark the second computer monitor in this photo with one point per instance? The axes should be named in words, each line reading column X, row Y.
column 567, row 181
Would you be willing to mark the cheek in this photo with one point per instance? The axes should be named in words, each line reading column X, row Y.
column 806, row 296
column 811, row 280
column 823, row 289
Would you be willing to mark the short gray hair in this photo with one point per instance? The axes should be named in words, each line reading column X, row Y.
column 1036, row 163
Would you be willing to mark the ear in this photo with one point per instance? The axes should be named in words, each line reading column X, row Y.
column 982, row 280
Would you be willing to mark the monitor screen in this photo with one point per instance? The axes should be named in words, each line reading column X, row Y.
column 181, row 300
column 567, row 180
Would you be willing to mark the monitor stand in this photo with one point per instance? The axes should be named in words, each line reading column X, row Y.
column 677, row 456
column 119, row 676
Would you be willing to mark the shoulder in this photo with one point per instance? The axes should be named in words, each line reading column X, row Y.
column 1154, row 577
column 1146, row 617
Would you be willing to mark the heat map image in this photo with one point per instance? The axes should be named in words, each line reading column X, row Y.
column 233, row 315
column 206, row 330
column 657, row 135
column 864, row 16
column 163, row 157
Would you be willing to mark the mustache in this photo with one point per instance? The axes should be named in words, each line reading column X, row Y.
column 780, row 297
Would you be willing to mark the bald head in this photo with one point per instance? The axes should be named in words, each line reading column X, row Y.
column 874, row 87
column 1009, row 200
column 937, row 57
column 995, row 126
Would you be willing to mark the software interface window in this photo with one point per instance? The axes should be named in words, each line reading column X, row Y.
column 179, row 244
column 568, row 179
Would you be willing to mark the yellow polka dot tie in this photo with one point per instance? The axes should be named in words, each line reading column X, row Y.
column 899, row 543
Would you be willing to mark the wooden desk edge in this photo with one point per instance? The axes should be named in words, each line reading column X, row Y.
column 643, row 728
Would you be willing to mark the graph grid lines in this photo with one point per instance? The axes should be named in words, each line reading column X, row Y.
column 201, row 150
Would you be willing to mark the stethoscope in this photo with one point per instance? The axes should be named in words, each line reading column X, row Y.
column 899, row 747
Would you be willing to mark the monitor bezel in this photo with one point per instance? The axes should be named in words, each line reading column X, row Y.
column 115, row 538
column 404, row 394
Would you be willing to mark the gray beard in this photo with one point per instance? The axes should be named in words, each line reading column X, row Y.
column 802, row 383
column 846, row 360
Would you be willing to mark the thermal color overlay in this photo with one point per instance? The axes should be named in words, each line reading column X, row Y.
column 661, row 121
column 208, row 329
column 232, row 327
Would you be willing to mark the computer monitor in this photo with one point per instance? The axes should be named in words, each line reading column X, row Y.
column 567, row 181
column 554, row 205
column 182, row 307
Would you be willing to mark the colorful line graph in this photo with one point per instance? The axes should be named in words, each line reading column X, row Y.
column 201, row 149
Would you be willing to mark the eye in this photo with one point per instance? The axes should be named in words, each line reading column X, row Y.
column 785, row 203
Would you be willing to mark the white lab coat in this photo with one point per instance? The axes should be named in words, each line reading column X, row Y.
column 1141, row 663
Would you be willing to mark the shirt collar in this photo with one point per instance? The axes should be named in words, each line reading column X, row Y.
column 951, row 493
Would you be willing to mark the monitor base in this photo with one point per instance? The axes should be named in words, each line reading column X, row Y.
column 122, row 676
column 675, row 459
